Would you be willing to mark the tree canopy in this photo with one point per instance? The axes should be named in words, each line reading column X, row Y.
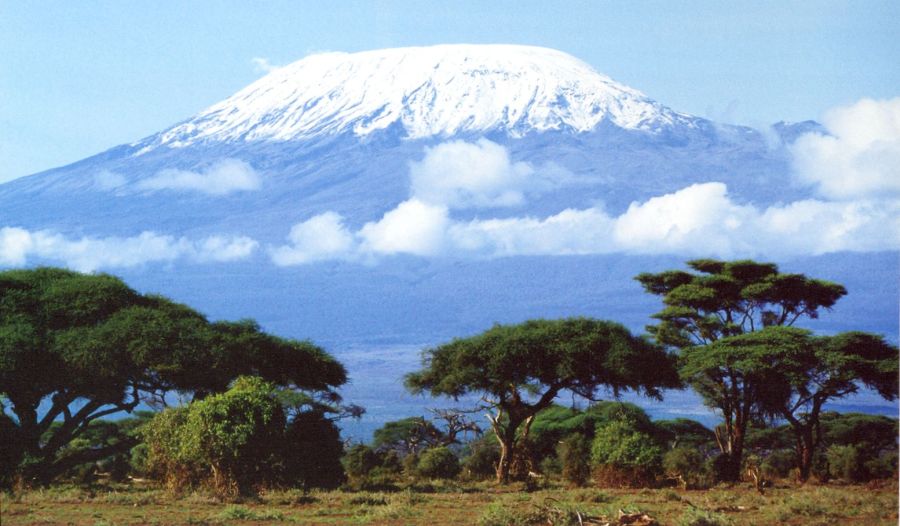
column 520, row 369
column 77, row 347
column 740, row 352
column 789, row 373
column 727, row 298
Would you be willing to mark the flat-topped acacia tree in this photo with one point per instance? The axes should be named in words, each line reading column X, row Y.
column 76, row 347
column 793, row 373
column 520, row 369
column 723, row 300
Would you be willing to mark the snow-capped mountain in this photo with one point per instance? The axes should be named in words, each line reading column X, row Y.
column 338, row 131
column 428, row 91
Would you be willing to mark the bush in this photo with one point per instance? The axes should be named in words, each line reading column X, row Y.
column 360, row 460
column 718, row 467
column 624, row 455
column 779, row 464
column 166, row 458
column 883, row 466
column 231, row 440
column 483, row 459
column 438, row 463
column 844, row 463
column 687, row 466
column 575, row 457
column 312, row 452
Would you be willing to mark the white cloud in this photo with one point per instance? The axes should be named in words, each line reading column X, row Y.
column 262, row 65
column 819, row 227
column 15, row 244
column 18, row 246
column 413, row 227
column 699, row 220
column 224, row 177
column 459, row 174
column 861, row 156
column 568, row 232
column 219, row 248
column 858, row 165
column 321, row 237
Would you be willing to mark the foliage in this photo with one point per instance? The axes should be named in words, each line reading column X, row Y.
column 408, row 435
column 520, row 369
column 438, row 463
column 575, row 456
column 312, row 451
column 233, row 440
column 685, row 433
column 360, row 460
column 620, row 447
column 687, row 466
column 75, row 348
column 870, row 434
column 790, row 373
column 844, row 463
column 731, row 319
column 778, row 463
column 483, row 456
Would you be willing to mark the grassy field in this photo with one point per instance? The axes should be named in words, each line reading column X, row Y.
column 453, row 504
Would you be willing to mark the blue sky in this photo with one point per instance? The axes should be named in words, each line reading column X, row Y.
column 77, row 78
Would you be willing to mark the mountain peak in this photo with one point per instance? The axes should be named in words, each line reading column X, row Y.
column 430, row 91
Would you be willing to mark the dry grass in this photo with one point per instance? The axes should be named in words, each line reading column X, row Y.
column 454, row 504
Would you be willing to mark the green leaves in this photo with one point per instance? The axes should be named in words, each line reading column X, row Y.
column 730, row 298
column 575, row 353
column 93, row 346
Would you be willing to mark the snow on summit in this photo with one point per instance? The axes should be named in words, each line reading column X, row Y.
column 430, row 91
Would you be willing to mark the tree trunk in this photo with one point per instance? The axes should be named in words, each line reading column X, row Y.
column 507, row 439
column 805, row 446
column 734, row 453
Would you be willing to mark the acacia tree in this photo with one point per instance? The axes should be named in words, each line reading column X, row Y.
column 413, row 434
column 797, row 373
column 76, row 347
column 520, row 369
column 723, row 300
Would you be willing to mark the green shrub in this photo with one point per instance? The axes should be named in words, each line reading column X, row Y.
column 779, row 464
column 883, row 466
column 574, row 454
column 687, row 466
column 409, row 464
column 844, row 463
column 483, row 459
column 718, row 467
column 232, row 440
column 312, row 452
column 624, row 455
column 360, row 460
column 438, row 463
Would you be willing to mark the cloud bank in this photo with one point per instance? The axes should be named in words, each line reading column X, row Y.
column 860, row 158
column 224, row 177
column 18, row 246
column 699, row 220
